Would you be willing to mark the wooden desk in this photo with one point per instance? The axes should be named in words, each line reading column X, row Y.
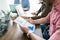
column 14, row 33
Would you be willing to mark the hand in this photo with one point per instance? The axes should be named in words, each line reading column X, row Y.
column 24, row 29
column 30, row 20
column 24, row 17
column 34, row 13
column 25, row 9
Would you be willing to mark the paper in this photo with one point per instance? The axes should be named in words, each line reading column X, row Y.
column 21, row 21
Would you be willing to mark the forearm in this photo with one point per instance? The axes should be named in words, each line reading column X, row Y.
column 36, row 17
column 40, row 21
column 35, row 37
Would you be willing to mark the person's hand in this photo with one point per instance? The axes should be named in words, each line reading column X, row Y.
column 30, row 20
column 34, row 13
column 25, row 9
column 24, row 29
column 25, row 17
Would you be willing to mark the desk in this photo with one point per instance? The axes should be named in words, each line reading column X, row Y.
column 13, row 33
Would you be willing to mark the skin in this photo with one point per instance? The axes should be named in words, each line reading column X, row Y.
column 38, row 21
column 25, row 9
column 32, row 35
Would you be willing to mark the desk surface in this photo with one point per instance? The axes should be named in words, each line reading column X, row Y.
column 13, row 33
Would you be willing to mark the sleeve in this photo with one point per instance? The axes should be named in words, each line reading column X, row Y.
column 46, row 11
column 58, row 23
column 56, row 35
column 48, row 16
column 41, row 9
column 36, row 17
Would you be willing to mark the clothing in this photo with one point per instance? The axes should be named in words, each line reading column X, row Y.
column 45, row 9
column 25, row 4
column 16, row 1
column 54, row 18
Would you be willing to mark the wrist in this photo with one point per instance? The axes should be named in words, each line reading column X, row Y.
column 28, row 34
column 27, row 31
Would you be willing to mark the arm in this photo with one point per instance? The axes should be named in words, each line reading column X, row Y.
column 41, row 20
column 38, row 21
column 45, row 10
column 35, row 37
column 32, row 35
column 36, row 17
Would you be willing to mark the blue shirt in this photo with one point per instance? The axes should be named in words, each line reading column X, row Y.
column 26, row 4
column 16, row 1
